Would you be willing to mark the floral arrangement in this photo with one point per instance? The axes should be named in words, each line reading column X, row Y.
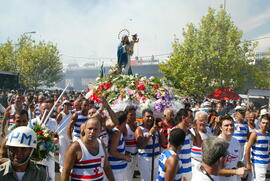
column 141, row 92
column 45, row 142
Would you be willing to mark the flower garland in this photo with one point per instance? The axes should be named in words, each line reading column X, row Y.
column 141, row 92
column 45, row 142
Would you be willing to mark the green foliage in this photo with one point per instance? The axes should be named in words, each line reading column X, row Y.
column 210, row 57
column 261, row 73
column 37, row 63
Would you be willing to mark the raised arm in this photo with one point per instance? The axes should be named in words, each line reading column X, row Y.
column 141, row 140
column 109, row 109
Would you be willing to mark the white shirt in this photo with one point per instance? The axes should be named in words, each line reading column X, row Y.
column 197, row 175
column 234, row 153
column 51, row 123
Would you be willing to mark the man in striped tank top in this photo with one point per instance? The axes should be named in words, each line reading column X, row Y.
column 10, row 113
column 240, row 129
column 169, row 161
column 201, row 118
column 117, row 154
column 130, row 142
column 257, row 151
column 183, row 122
column 41, row 99
column 86, row 158
column 77, row 119
column 149, row 138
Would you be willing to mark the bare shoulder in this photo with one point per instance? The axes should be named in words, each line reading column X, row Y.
column 75, row 146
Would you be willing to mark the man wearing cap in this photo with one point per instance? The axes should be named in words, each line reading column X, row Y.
column 21, row 143
column 241, row 130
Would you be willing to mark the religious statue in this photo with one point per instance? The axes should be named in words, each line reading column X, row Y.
column 125, row 51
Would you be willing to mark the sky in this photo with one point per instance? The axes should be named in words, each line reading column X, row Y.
column 86, row 31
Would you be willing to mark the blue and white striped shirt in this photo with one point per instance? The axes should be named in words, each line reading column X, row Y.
column 161, row 169
column 260, row 150
column 118, row 163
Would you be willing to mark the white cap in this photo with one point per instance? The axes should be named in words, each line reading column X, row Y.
column 206, row 104
column 65, row 102
column 264, row 112
column 239, row 108
column 22, row 136
column 243, row 105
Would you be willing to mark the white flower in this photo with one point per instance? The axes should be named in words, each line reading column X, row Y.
column 46, row 135
column 152, row 78
column 97, row 79
column 114, row 88
column 143, row 78
column 42, row 147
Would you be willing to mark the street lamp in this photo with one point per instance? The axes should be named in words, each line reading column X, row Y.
column 29, row 32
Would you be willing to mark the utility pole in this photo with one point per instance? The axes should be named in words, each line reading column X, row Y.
column 224, row 4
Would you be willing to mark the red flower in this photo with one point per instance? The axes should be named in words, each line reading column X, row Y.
column 107, row 85
column 141, row 87
column 140, row 93
column 156, row 86
column 40, row 132
column 144, row 99
column 88, row 89
column 100, row 87
column 94, row 98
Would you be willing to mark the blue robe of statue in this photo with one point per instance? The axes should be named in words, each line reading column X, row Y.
column 123, row 59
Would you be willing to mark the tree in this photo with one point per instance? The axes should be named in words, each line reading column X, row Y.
column 261, row 73
column 37, row 63
column 211, row 56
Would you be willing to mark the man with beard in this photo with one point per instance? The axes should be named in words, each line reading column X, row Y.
column 21, row 143
column 149, row 138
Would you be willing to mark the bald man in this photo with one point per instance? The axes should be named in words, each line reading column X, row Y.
column 86, row 157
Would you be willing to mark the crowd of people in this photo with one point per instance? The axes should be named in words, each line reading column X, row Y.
column 204, row 142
